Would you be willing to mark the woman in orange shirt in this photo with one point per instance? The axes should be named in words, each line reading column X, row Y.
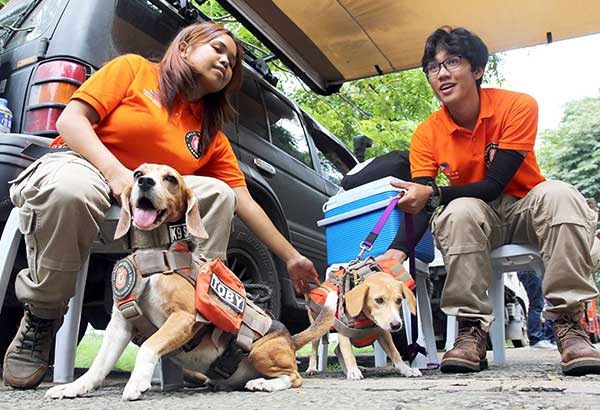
column 130, row 112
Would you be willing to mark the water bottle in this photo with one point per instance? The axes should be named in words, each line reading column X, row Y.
column 5, row 117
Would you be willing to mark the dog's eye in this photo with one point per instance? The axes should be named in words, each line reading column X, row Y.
column 399, row 301
column 171, row 179
column 137, row 174
column 379, row 301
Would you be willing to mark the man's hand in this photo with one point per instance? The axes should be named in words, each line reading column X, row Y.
column 415, row 198
column 394, row 254
column 301, row 271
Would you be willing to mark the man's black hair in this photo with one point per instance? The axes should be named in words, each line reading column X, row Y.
column 456, row 41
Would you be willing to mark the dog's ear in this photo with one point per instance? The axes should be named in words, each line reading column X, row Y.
column 125, row 218
column 193, row 220
column 355, row 299
column 410, row 298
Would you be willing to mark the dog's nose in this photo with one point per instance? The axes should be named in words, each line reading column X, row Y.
column 145, row 183
column 395, row 326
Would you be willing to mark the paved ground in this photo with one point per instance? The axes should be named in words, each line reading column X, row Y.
column 531, row 380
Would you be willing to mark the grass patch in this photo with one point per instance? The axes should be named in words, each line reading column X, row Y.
column 90, row 345
column 307, row 349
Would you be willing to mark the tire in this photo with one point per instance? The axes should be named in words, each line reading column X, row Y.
column 518, row 343
column 253, row 263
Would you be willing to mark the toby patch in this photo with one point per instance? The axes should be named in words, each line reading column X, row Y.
column 193, row 140
column 227, row 295
column 123, row 278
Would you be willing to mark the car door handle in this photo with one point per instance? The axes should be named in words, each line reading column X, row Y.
column 264, row 166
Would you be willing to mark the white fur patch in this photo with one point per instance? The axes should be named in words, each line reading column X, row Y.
column 279, row 383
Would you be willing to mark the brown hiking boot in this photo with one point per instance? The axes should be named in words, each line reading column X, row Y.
column 26, row 359
column 578, row 355
column 468, row 353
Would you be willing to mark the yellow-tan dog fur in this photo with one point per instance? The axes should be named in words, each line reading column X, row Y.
column 168, row 301
column 379, row 297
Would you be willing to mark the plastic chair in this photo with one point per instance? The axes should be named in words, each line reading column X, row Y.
column 425, row 322
column 169, row 374
column 506, row 258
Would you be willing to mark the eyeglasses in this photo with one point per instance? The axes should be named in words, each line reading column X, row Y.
column 450, row 64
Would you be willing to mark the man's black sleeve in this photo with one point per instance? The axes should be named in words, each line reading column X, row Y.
column 503, row 167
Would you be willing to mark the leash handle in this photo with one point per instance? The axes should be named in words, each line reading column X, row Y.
column 367, row 244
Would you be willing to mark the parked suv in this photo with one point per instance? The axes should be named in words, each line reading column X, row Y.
column 291, row 163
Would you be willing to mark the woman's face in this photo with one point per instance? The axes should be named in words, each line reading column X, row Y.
column 213, row 61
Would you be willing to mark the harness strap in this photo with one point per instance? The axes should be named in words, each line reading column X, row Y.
column 152, row 262
column 255, row 324
column 354, row 333
column 139, row 239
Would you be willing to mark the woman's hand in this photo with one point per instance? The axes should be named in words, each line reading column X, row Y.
column 118, row 179
column 415, row 198
column 302, row 271
column 394, row 254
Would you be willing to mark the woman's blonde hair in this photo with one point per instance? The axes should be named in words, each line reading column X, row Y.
column 177, row 76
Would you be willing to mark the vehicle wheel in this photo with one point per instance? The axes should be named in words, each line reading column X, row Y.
column 253, row 263
column 518, row 343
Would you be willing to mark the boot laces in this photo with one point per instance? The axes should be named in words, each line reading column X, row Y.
column 571, row 330
column 35, row 334
column 469, row 334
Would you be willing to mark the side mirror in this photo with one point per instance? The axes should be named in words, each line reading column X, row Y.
column 361, row 143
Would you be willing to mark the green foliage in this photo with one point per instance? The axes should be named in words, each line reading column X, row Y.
column 571, row 153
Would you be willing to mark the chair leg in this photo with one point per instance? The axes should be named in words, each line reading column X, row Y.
column 9, row 246
column 66, row 338
column 322, row 353
column 170, row 374
column 425, row 319
column 380, row 355
column 497, row 333
column 450, row 332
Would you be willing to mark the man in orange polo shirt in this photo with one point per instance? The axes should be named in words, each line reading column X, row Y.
column 483, row 139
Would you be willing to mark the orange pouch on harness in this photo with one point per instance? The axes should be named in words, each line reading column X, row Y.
column 402, row 275
column 220, row 296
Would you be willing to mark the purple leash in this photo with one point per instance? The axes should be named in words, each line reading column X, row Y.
column 367, row 244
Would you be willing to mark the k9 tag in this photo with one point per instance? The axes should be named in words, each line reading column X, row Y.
column 178, row 232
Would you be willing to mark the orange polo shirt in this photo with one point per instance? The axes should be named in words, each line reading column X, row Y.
column 136, row 128
column 507, row 120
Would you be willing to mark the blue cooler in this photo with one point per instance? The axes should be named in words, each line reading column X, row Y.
column 351, row 215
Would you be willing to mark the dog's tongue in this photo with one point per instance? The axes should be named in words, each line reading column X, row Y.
column 143, row 218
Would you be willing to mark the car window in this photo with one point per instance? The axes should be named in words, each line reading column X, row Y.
column 286, row 129
column 33, row 22
column 141, row 27
column 334, row 160
column 251, row 110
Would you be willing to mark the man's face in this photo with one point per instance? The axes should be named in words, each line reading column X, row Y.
column 453, row 87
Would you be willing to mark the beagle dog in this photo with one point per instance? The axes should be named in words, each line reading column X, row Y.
column 159, row 195
column 373, row 308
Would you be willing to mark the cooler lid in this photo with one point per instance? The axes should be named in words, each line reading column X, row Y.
column 363, row 191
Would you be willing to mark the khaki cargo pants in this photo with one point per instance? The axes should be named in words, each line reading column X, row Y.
column 553, row 215
column 62, row 200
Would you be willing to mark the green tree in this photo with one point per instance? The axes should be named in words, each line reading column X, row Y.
column 571, row 153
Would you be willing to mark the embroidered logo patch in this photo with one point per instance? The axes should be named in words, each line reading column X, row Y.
column 490, row 151
column 123, row 278
column 227, row 295
column 193, row 141
column 178, row 232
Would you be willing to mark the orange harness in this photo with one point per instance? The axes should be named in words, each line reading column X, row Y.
column 360, row 330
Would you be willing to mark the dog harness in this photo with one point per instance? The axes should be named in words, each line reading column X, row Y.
column 221, row 302
column 360, row 330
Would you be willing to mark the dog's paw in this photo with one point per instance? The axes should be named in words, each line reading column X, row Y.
column 311, row 371
column 406, row 371
column 259, row 385
column 354, row 373
column 69, row 391
column 134, row 390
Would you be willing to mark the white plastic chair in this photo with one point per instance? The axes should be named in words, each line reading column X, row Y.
column 169, row 374
column 506, row 258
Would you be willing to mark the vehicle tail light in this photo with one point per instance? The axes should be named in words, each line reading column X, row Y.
column 53, row 84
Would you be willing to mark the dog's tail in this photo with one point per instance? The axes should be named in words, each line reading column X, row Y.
column 320, row 325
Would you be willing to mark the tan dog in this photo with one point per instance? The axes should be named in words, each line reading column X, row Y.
column 378, row 298
column 159, row 194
